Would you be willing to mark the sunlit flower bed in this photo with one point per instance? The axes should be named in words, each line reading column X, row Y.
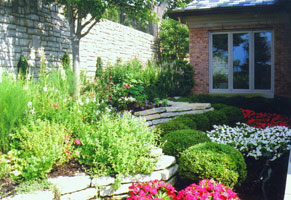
column 263, row 120
column 270, row 142
column 159, row 190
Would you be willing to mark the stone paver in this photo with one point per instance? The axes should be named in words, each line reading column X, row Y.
column 70, row 184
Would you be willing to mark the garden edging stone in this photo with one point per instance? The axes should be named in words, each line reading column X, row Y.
column 84, row 187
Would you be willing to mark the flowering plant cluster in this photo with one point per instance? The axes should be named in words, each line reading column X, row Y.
column 270, row 142
column 207, row 189
column 157, row 190
column 262, row 120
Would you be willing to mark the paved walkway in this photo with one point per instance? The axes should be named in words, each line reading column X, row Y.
column 288, row 181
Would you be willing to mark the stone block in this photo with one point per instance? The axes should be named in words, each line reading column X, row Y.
column 150, row 111
column 110, row 191
column 159, row 121
column 178, row 108
column 101, row 181
column 37, row 195
column 173, row 180
column 86, row 194
column 169, row 172
column 71, row 184
column 164, row 162
column 155, row 151
column 151, row 117
column 156, row 175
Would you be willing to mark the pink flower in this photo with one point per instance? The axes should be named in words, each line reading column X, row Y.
column 77, row 142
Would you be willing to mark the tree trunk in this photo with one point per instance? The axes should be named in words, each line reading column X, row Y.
column 76, row 64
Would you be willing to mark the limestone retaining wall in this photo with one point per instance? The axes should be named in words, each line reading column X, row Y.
column 83, row 187
column 36, row 30
column 159, row 115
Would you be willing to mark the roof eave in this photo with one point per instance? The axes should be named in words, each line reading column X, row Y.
column 175, row 14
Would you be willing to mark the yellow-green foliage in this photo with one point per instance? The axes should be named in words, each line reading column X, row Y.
column 213, row 161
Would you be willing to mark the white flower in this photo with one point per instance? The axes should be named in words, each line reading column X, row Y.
column 29, row 104
column 45, row 89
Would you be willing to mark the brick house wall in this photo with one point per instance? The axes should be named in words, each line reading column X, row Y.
column 199, row 56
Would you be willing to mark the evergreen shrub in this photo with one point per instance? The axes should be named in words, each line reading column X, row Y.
column 187, row 121
column 216, row 117
column 178, row 141
column 170, row 126
column 215, row 161
column 201, row 121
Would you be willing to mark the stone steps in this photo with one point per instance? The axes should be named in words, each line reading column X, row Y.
column 160, row 115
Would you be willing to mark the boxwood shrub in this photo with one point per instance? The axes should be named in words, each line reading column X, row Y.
column 201, row 121
column 233, row 114
column 178, row 141
column 186, row 121
column 170, row 126
column 216, row 117
column 211, row 160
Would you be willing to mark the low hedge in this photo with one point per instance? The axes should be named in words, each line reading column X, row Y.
column 201, row 121
column 170, row 126
column 177, row 141
column 216, row 117
column 211, row 160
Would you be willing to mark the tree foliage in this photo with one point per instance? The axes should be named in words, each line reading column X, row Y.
column 173, row 40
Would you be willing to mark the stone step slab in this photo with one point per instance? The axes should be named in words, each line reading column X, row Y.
column 110, row 191
column 151, row 111
column 156, row 175
column 66, row 184
column 86, row 194
column 169, row 172
column 165, row 162
column 103, row 180
column 37, row 195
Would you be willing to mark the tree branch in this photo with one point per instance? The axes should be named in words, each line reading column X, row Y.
column 89, row 29
column 86, row 23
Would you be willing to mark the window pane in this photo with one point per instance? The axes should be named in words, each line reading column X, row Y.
column 263, row 62
column 240, row 61
column 220, row 61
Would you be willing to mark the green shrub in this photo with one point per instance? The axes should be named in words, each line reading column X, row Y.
column 117, row 145
column 216, row 117
column 22, row 67
column 173, row 40
column 37, row 147
column 13, row 104
column 176, row 78
column 233, row 115
column 218, row 106
column 201, row 121
column 186, row 121
column 211, row 160
column 170, row 126
column 178, row 141
column 4, row 167
column 66, row 61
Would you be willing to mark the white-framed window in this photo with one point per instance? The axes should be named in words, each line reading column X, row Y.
column 241, row 62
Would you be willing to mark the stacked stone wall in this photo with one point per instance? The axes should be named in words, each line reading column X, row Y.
column 112, row 41
column 36, row 30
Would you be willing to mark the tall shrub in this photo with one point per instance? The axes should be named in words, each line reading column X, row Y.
column 13, row 103
column 173, row 40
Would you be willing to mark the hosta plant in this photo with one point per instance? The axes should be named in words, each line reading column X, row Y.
column 270, row 142
column 207, row 189
column 157, row 190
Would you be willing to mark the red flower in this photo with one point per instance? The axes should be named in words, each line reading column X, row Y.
column 82, row 118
